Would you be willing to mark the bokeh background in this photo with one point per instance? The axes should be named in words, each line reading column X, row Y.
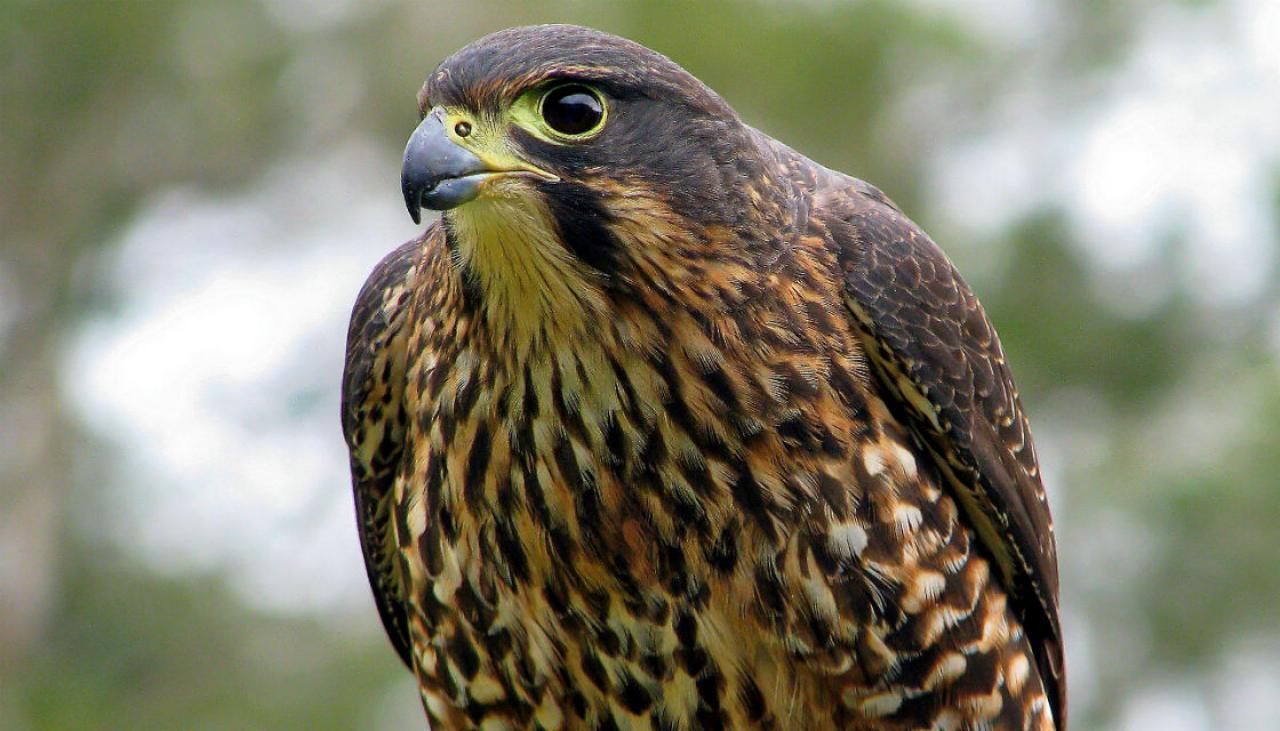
column 192, row 192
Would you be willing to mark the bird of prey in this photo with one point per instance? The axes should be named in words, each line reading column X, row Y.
column 662, row 425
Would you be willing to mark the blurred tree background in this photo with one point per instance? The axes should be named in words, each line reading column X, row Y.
column 193, row 191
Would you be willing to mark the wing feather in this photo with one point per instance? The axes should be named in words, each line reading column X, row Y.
column 373, row 422
column 935, row 352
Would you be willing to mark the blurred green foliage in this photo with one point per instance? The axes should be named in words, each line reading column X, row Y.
column 129, row 650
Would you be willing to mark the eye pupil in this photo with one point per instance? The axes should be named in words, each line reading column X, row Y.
column 572, row 109
column 462, row 129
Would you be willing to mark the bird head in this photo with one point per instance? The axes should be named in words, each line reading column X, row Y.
column 562, row 157
column 581, row 127
column 561, row 111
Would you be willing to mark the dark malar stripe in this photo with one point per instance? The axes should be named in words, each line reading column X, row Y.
column 583, row 224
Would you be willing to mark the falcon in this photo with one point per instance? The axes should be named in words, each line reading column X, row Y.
column 662, row 425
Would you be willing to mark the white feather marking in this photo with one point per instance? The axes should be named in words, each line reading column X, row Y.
column 847, row 540
column 873, row 459
column 907, row 518
column 906, row 460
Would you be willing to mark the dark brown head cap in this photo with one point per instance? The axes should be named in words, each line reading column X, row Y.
column 499, row 66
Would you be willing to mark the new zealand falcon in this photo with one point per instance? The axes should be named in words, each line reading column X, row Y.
column 662, row 425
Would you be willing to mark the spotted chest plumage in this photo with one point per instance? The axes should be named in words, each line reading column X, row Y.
column 679, row 520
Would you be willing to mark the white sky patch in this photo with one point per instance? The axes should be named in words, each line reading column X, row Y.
column 219, row 375
column 1187, row 140
column 1243, row 693
column 1239, row 694
column 1167, row 707
column 1183, row 138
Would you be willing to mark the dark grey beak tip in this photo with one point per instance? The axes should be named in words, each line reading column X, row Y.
column 412, row 202
column 437, row 173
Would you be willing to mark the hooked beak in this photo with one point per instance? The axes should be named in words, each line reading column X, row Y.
column 440, row 174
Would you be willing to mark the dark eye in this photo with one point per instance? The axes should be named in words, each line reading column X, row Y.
column 572, row 109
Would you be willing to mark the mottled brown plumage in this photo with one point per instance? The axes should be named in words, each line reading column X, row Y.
column 685, row 431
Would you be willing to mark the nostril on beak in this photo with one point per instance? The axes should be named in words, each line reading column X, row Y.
column 438, row 173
